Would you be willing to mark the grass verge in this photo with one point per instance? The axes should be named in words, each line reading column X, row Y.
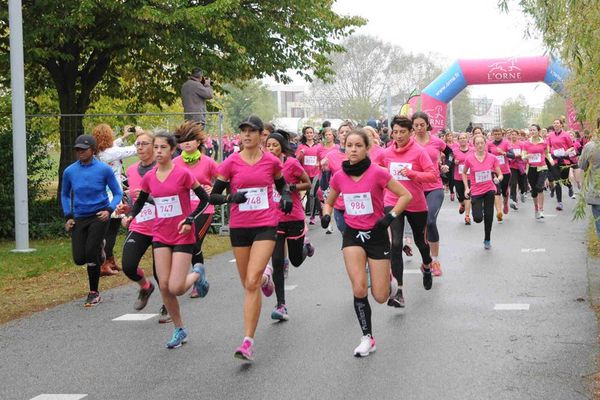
column 36, row 281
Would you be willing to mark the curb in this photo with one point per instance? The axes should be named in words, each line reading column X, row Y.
column 593, row 272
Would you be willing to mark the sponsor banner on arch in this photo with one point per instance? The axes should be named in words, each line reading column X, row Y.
column 504, row 70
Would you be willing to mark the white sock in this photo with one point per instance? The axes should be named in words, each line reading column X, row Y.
column 251, row 340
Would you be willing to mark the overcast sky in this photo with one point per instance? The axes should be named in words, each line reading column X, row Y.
column 454, row 29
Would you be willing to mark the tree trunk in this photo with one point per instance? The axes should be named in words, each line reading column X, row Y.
column 70, row 128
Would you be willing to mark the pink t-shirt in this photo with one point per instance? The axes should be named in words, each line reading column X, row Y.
column 363, row 198
column 559, row 145
column 292, row 172
column 420, row 169
column 375, row 152
column 172, row 200
column 257, row 181
column 323, row 151
column 517, row 162
column 334, row 160
column 496, row 150
column 205, row 171
column 144, row 221
column 459, row 161
column 310, row 160
column 480, row 173
column 434, row 148
column 536, row 153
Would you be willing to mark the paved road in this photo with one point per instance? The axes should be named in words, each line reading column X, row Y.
column 449, row 343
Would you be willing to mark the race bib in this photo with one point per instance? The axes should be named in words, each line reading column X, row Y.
column 500, row 159
column 168, row 207
column 517, row 152
column 148, row 213
column 483, row 176
column 395, row 169
column 236, row 149
column 310, row 161
column 358, row 203
column 461, row 168
column 276, row 196
column 535, row 157
column 257, row 199
column 559, row 152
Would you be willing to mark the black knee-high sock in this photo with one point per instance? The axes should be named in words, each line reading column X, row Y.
column 363, row 313
column 278, row 280
column 93, row 271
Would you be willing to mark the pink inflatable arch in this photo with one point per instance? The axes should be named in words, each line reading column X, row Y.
column 462, row 73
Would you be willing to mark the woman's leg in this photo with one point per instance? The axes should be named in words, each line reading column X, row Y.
column 355, row 260
column 434, row 199
column 93, row 251
column 163, row 259
column 488, row 214
column 278, row 260
column 134, row 248
column 201, row 225
column 380, row 279
column 418, row 223
column 477, row 203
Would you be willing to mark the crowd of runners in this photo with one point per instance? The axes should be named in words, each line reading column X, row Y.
column 367, row 181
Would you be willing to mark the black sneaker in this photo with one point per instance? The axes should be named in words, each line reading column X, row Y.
column 143, row 296
column 397, row 300
column 427, row 278
column 164, row 317
column 571, row 192
column 93, row 299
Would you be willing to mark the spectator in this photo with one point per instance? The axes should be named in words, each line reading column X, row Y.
column 194, row 93
column 590, row 159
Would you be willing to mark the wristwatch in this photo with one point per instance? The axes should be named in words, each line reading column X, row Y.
column 393, row 214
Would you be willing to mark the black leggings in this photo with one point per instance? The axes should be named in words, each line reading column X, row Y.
column 451, row 182
column 434, row 199
column 292, row 233
column 86, row 242
column 201, row 224
column 313, row 203
column 134, row 248
column 502, row 187
column 517, row 178
column 560, row 173
column 537, row 180
column 483, row 210
column 417, row 222
column 111, row 236
column 460, row 189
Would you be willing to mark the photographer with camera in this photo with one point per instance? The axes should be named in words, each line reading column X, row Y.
column 194, row 93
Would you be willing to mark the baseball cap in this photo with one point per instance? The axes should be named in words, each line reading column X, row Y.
column 85, row 142
column 253, row 122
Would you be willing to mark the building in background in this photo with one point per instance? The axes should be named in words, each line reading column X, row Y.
column 486, row 114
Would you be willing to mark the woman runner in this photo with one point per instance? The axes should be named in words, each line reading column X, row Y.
column 518, row 177
column 366, row 239
column 172, row 233
column 481, row 185
column 535, row 151
column 460, row 152
column 498, row 147
column 308, row 155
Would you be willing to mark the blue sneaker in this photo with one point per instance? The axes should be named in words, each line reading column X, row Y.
column 201, row 286
column 487, row 244
column 179, row 338
column 280, row 313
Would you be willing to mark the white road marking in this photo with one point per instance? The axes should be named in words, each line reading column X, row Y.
column 540, row 250
column 135, row 317
column 511, row 307
column 290, row 287
column 550, row 215
column 412, row 271
column 232, row 261
column 59, row 397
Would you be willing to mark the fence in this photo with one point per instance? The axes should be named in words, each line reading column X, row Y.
column 72, row 125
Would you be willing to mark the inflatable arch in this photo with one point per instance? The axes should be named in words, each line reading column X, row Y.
column 435, row 97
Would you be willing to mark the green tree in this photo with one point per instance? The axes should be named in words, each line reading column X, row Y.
column 252, row 97
column 515, row 113
column 569, row 28
column 144, row 49
column 462, row 107
column 554, row 107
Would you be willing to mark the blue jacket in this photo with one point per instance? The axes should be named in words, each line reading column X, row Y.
column 88, row 184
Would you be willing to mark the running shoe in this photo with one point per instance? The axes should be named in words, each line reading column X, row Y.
column 542, row 214
column 427, row 278
column 366, row 346
column 106, row 270
column 397, row 300
column 280, row 313
column 93, row 299
column 194, row 294
column 245, row 351
column 571, row 194
column 499, row 217
column 286, row 268
column 487, row 244
column 393, row 287
column 311, row 221
column 436, row 268
column 201, row 285
column 143, row 296
column 513, row 205
column 538, row 215
column 163, row 315
column 559, row 207
column 178, row 339
column 461, row 209
column 522, row 197
column 310, row 249
column 505, row 208
column 329, row 230
column 452, row 196
column 467, row 220
column 268, row 287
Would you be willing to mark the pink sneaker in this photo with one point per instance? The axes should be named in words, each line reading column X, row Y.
column 268, row 287
column 245, row 351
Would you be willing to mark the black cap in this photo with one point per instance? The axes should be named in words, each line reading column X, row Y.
column 253, row 122
column 197, row 72
column 85, row 142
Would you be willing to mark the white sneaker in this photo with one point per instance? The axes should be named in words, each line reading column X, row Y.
column 541, row 214
column 537, row 215
column 393, row 286
column 366, row 346
column 329, row 230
